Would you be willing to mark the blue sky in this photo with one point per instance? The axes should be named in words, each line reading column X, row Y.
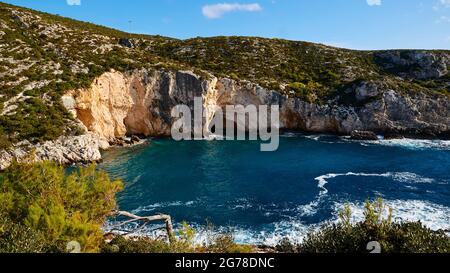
column 359, row 24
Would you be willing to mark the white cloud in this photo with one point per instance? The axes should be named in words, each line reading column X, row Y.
column 218, row 10
column 73, row 2
column 377, row 2
column 445, row 3
column 441, row 4
column 445, row 19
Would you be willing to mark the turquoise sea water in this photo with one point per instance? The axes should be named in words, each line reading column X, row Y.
column 262, row 197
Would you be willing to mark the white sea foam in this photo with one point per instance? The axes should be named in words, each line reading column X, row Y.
column 269, row 235
column 408, row 143
column 403, row 177
column 314, row 137
column 240, row 204
column 154, row 206
column 290, row 135
column 309, row 209
column 412, row 144
column 432, row 215
column 412, row 178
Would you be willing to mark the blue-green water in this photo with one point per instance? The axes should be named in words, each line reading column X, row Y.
column 262, row 197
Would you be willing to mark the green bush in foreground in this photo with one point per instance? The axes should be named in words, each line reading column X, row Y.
column 18, row 238
column 42, row 206
column 4, row 140
column 345, row 237
column 182, row 243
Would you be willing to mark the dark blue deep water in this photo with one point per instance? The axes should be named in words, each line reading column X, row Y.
column 262, row 197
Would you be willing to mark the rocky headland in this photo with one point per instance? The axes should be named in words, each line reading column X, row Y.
column 99, row 87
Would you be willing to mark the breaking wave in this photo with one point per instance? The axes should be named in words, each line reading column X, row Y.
column 412, row 144
column 404, row 177
column 407, row 143
column 154, row 206
column 434, row 216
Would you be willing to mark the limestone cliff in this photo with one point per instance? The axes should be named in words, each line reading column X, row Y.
column 139, row 103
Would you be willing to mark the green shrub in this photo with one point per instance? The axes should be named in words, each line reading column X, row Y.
column 345, row 237
column 4, row 140
column 124, row 245
column 224, row 243
column 18, row 238
column 73, row 207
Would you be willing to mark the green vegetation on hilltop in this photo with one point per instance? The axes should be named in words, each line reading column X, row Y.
column 313, row 72
column 43, row 56
column 306, row 68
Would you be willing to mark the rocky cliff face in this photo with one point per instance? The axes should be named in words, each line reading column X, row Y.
column 414, row 64
column 140, row 103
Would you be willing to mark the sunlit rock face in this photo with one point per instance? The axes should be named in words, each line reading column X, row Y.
column 140, row 103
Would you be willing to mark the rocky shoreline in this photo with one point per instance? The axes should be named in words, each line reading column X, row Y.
column 72, row 150
column 88, row 148
column 139, row 103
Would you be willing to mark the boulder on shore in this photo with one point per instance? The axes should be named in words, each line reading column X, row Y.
column 135, row 140
column 364, row 135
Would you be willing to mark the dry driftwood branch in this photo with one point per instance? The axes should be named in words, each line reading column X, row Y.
column 147, row 219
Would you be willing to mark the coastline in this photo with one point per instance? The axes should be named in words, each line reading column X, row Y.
column 86, row 149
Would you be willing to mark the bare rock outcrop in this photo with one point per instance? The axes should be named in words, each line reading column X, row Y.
column 140, row 103
column 363, row 135
column 414, row 64
column 66, row 150
column 103, row 107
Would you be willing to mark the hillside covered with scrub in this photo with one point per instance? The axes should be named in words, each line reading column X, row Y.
column 44, row 56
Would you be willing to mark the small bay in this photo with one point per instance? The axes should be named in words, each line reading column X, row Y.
column 262, row 197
